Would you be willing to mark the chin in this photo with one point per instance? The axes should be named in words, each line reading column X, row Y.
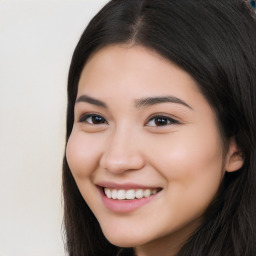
column 124, row 240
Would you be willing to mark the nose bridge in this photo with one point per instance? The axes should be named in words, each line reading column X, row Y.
column 122, row 151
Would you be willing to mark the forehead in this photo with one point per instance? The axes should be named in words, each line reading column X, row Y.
column 137, row 69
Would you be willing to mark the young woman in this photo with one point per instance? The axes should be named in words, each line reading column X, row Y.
column 160, row 156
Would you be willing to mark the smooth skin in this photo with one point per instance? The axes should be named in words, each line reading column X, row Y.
column 146, row 123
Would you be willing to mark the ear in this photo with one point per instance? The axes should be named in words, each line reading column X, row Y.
column 234, row 157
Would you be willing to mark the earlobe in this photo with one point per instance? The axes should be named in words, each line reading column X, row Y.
column 234, row 157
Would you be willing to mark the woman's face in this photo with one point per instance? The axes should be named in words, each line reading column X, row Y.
column 145, row 149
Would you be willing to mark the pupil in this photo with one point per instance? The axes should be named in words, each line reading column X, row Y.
column 97, row 119
column 161, row 121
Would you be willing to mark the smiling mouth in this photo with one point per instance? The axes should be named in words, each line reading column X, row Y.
column 130, row 194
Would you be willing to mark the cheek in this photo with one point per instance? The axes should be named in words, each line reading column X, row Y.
column 191, row 164
column 192, row 158
column 82, row 154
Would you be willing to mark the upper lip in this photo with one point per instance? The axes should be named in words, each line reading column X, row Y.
column 124, row 185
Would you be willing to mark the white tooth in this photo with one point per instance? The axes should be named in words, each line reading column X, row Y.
column 120, row 194
column 139, row 193
column 130, row 194
column 114, row 194
column 108, row 192
column 146, row 193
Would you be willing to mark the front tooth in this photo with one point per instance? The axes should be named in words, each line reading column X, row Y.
column 146, row 193
column 139, row 193
column 120, row 194
column 130, row 194
column 114, row 194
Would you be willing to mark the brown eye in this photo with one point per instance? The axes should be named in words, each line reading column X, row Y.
column 161, row 121
column 93, row 119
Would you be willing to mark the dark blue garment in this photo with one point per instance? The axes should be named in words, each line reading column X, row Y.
column 252, row 2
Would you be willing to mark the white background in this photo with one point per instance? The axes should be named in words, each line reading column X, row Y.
column 37, row 39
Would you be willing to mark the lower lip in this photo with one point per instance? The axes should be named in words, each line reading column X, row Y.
column 125, row 206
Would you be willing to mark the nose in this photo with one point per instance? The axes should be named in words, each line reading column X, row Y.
column 122, row 153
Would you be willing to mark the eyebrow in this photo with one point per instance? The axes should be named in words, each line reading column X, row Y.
column 139, row 103
column 86, row 98
column 149, row 101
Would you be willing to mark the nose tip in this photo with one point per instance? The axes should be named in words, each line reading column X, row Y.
column 117, row 160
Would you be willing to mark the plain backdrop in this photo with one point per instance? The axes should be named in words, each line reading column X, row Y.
column 37, row 38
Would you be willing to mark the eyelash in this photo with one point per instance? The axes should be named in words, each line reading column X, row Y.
column 85, row 118
column 162, row 120
column 166, row 120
